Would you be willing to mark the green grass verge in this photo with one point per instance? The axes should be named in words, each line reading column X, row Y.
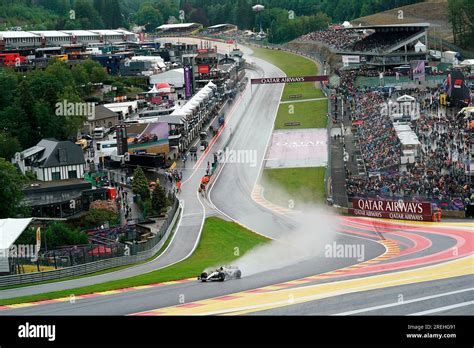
column 220, row 241
column 300, row 185
column 292, row 65
column 310, row 114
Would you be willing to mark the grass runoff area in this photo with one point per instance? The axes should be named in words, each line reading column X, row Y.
column 297, row 184
column 219, row 242
column 310, row 114
column 292, row 65
column 300, row 185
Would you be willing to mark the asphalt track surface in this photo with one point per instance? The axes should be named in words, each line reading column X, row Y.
column 389, row 248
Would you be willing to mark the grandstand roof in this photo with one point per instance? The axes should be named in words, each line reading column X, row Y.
column 16, row 34
column 123, row 31
column 107, row 32
column 176, row 26
column 386, row 26
column 80, row 33
column 217, row 26
column 50, row 33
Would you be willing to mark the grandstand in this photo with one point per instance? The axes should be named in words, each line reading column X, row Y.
column 178, row 29
column 386, row 46
column 221, row 28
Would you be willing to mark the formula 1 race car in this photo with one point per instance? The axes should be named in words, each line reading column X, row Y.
column 221, row 274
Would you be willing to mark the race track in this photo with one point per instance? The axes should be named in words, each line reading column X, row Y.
column 424, row 263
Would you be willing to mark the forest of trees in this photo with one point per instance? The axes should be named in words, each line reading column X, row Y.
column 461, row 17
column 110, row 14
column 62, row 14
column 239, row 11
column 28, row 102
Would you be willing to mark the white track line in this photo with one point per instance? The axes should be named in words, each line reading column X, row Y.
column 369, row 309
column 445, row 308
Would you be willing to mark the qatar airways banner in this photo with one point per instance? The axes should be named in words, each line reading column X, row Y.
column 294, row 79
column 400, row 210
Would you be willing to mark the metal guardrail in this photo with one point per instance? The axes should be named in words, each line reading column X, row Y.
column 150, row 249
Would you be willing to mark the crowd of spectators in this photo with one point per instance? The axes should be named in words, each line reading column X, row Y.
column 379, row 144
column 336, row 38
column 438, row 173
column 356, row 40
column 379, row 41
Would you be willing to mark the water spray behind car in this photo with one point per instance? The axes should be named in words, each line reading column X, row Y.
column 314, row 229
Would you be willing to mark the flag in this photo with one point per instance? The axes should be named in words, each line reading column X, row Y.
column 38, row 238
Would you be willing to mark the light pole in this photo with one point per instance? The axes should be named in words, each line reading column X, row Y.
column 259, row 9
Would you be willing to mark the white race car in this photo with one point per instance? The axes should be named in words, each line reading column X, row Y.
column 221, row 274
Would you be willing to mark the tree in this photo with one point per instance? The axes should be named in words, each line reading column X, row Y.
column 87, row 16
column 99, row 6
column 98, row 75
column 9, row 145
column 97, row 217
column 111, row 14
column 159, row 200
column 8, row 86
column 11, row 183
column 461, row 17
column 140, row 184
column 149, row 16
column 244, row 15
column 80, row 74
column 58, row 234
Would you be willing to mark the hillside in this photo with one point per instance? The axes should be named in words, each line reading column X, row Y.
column 432, row 11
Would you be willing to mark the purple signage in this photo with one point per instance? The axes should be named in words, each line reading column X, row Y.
column 418, row 70
column 188, row 81
column 294, row 79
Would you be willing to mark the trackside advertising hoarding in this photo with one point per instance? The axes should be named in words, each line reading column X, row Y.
column 400, row 210
column 294, row 79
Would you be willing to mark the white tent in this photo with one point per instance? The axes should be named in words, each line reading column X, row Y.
column 408, row 138
column 402, row 128
column 347, row 24
column 153, row 90
column 406, row 98
column 420, row 47
column 10, row 230
column 467, row 62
